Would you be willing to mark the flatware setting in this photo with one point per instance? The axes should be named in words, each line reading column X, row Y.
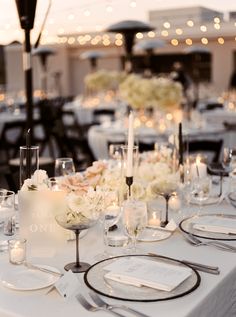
column 197, row 266
column 88, row 306
column 41, row 269
column 193, row 240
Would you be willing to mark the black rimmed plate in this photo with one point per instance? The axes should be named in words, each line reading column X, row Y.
column 94, row 279
column 187, row 226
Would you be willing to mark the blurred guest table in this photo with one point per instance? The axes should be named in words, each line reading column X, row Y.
column 100, row 136
column 84, row 108
column 215, row 296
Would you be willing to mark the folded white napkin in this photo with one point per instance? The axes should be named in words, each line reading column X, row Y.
column 142, row 272
column 217, row 225
column 216, row 229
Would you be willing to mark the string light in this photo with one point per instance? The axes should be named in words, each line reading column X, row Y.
column 71, row 40
column 139, row 35
column 188, row 41
column 221, row 40
column 133, row 4
column 109, row 9
column 119, row 42
column 106, row 42
column 87, row 13
column 179, row 31
column 164, row 33
column 174, row 42
column 71, row 17
column 204, row 40
column 151, row 34
column 190, row 23
column 119, row 36
column 203, row 28
column 217, row 20
column 166, row 25
column 217, row 26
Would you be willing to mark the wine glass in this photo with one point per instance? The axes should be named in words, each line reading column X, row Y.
column 201, row 188
column 7, row 213
column 134, row 219
column 115, row 153
column 76, row 222
column 64, row 166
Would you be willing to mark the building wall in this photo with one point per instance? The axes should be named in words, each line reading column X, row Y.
column 73, row 69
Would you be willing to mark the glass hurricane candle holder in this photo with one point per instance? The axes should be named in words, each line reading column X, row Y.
column 17, row 251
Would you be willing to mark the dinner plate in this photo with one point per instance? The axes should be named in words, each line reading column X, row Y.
column 152, row 234
column 21, row 278
column 187, row 226
column 95, row 280
column 209, row 201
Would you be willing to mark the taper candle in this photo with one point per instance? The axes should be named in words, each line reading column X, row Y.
column 129, row 168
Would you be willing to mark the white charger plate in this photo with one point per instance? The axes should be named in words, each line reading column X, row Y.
column 21, row 278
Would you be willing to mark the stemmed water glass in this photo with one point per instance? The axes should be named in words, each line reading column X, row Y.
column 134, row 219
column 64, row 166
column 7, row 213
column 201, row 188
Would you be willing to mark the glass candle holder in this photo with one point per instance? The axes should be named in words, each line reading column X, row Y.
column 17, row 251
column 29, row 162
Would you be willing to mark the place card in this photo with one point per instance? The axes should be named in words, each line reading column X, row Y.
column 67, row 286
column 142, row 272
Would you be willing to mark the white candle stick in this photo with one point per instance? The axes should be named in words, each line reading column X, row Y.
column 129, row 170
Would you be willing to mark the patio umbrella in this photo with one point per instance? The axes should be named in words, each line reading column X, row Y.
column 92, row 56
column 128, row 28
column 149, row 46
column 196, row 52
column 44, row 52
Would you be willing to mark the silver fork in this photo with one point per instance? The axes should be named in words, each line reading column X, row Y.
column 100, row 302
column 92, row 308
column 217, row 244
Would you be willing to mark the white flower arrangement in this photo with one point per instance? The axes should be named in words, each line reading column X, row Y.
column 160, row 93
column 36, row 182
column 102, row 80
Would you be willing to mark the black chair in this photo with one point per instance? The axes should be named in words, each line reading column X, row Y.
column 212, row 147
column 68, row 138
column 98, row 115
column 146, row 147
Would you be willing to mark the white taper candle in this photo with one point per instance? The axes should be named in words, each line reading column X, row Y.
column 129, row 170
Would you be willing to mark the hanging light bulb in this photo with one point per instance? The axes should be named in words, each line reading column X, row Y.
column 133, row 4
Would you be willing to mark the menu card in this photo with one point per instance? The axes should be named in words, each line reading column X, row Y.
column 217, row 225
column 142, row 272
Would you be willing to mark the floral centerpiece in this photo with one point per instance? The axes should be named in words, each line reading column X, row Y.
column 103, row 80
column 160, row 93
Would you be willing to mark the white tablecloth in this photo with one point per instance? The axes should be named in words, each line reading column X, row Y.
column 215, row 297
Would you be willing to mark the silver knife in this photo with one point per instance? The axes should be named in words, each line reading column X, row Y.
column 197, row 266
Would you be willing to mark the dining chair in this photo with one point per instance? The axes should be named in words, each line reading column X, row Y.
column 212, row 148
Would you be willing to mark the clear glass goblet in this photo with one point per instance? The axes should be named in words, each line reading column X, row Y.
column 64, row 166
column 76, row 222
column 134, row 219
column 201, row 188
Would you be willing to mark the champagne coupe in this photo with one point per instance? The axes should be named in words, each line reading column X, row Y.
column 134, row 219
column 64, row 166
column 76, row 222
column 201, row 188
column 7, row 213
